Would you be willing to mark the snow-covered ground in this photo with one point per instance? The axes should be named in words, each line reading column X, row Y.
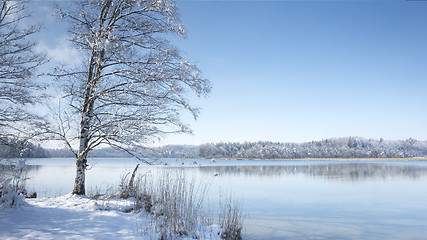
column 79, row 217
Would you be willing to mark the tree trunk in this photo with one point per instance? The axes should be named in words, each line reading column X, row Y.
column 81, row 163
column 87, row 114
column 94, row 73
column 79, row 183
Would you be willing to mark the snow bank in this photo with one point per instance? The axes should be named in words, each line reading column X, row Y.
column 66, row 217
column 79, row 217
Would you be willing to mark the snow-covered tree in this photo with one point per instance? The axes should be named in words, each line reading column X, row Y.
column 134, row 83
column 18, row 63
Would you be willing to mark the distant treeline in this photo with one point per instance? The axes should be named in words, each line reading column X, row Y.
column 352, row 147
column 15, row 148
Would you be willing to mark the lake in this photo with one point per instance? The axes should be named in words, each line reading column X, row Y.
column 296, row 199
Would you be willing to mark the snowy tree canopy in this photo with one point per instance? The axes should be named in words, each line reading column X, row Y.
column 133, row 84
column 19, row 61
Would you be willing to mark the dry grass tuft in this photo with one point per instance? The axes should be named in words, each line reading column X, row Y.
column 176, row 204
column 231, row 220
column 175, row 201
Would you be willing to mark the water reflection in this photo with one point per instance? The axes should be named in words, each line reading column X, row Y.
column 34, row 168
column 335, row 171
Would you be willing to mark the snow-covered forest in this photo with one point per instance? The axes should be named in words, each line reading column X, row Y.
column 352, row 147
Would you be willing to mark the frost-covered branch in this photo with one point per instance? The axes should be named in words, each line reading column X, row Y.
column 134, row 84
column 19, row 62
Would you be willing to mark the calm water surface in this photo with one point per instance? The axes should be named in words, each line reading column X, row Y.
column 283, row 199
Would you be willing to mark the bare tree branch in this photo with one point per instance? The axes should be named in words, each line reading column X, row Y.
column 19, row 62
column 134, row 84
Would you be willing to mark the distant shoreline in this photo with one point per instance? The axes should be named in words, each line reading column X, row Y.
column 416, row 159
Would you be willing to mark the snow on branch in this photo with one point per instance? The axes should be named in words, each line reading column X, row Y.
column 134, row 84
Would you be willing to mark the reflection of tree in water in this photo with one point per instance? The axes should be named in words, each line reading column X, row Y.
column 338, row 171
column 8, row 167
column 34, row 168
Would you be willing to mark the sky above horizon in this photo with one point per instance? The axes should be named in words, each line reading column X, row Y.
column 296, row 71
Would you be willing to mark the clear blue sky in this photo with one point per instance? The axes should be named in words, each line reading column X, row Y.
column 295, row 71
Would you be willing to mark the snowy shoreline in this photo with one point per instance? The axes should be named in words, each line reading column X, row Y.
column 331, row 159
column 80, row 217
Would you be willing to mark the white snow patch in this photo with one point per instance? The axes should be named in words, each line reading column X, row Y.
column 79, row 217
column 68, row 217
